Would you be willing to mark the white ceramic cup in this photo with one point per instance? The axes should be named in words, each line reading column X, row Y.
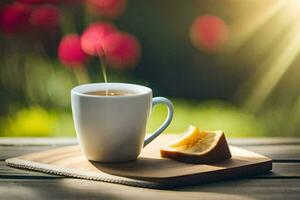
column 112, row 128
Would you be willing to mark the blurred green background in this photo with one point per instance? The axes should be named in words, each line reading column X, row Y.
column 248, row 85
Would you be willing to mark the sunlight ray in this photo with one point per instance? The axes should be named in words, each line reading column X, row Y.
column 242, row 30
column 282, row 59
column 264, row 53
column 285, row 18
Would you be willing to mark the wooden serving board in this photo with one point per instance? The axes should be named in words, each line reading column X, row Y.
column 149, row 170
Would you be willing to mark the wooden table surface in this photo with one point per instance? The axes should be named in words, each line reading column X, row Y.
column 282, row 183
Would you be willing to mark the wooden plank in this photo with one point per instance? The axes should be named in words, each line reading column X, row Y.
column 278, row 153
column 254, row 188
column 30, row 141
column 59, row 141
column 263, row 141
column 12, row 151
column 283, row 183
column 283, row 170
column 82, row 189
column 280, row 170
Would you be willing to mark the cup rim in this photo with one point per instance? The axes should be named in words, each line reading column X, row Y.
column 78, row 90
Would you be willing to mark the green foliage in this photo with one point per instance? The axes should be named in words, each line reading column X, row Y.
column 33, row 121
column 210, row 115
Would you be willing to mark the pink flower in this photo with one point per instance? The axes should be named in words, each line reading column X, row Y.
column 122, row 50
column 107, row 8
column 209, row 33
column 91, row 39
column 70, row 52
column 14, row 18
column 45, row 17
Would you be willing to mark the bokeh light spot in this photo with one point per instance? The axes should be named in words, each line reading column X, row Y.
column 209, row 33
column 45, row 17
column 14, row 18
column 93, row 35
column 70, row 52
column 122, row 50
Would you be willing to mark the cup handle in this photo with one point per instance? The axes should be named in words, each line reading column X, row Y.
column 168, row 103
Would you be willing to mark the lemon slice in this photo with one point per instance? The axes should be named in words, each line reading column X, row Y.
column 197, row 146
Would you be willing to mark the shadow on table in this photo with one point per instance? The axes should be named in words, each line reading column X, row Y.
column 83, row 189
